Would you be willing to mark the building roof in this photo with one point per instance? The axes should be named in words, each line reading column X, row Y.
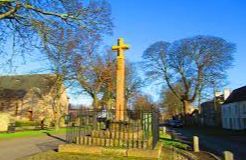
column 205, row 104
column 9, row 93
column 17, row 86
column 237, row 95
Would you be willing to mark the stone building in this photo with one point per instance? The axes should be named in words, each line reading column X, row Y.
column 210, row 111
column 32, row 97
column 234, row 110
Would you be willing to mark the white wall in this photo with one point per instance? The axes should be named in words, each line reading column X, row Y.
column 234, row 115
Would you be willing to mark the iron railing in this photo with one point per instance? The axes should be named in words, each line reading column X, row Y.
column 140, row 129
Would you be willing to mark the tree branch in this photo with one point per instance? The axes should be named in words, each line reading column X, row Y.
column 198, row 84
column 62, row 16
column 10, row 12
column 166, row 77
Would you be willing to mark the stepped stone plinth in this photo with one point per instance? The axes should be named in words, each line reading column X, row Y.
column 119, row 134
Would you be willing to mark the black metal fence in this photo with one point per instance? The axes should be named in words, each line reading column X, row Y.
column 140, row 129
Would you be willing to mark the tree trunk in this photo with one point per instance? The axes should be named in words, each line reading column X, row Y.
column 56, row 121
column 57, row 126
column 186, row 111
column 57, row 116
column 95, row 102
column 57, row 105
column 186, row 106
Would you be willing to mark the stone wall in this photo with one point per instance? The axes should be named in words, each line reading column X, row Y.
column 31, row 97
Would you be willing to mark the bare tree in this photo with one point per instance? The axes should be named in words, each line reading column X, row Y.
column 134, row 82
column 22, row 21
column 59, row 47
column 192, row 62
column 170, row 102
column 65, row 48
column 97, row 76
column 143, row 102
column 133, row 86
column 93, row 73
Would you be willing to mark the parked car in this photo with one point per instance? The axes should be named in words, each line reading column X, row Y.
column 166, row 123
column 102, row 116
column 174, row 123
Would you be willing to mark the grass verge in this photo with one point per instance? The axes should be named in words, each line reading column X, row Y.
column 33, row 133
column 169, row 142
column 51, row 155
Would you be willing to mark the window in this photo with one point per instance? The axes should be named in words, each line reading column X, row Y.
column 16, row 109
column 230, row 124
column 237, row 109
column 30, row 115
column 224, row 111
column 244, row 121
column 2, row 107
column 239, row 123
column 244, row 108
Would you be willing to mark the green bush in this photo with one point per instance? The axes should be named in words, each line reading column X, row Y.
column 26, row 123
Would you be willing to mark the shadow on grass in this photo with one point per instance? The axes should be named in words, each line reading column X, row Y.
column 51, row 145
column 55, row 137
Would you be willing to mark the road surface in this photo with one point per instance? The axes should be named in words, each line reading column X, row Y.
column 214, row 143
column 22, row 147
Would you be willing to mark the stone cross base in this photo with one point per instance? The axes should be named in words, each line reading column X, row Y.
column 137, row 153
column 119, row 134
column 109, row 142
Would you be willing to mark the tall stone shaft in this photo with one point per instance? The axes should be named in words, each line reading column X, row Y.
column 120, row 79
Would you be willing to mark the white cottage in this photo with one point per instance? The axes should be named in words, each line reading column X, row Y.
column 234, row 110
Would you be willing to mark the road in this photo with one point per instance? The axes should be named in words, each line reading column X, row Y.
column 21, row 147
column 214, row 143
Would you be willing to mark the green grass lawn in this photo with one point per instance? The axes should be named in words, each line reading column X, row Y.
column 32, row 133
column 169, row 142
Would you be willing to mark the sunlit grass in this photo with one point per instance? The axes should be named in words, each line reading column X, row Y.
column 169, row 142
column 50, row 155
column 32, row 133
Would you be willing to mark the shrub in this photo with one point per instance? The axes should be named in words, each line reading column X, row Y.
column 48, row 122
column 26, row 123
column 62, row 122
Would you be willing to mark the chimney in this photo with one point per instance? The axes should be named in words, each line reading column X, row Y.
column 217, row 93
column 227, row 93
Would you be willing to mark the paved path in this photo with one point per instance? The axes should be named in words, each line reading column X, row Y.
column 215, row 144
column 22, row 147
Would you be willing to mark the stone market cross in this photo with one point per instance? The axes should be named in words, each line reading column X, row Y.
column 120, row 79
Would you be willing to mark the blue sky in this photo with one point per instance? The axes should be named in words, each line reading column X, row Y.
column 143, row 22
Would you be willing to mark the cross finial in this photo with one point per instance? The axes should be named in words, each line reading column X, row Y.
column 120, row 47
